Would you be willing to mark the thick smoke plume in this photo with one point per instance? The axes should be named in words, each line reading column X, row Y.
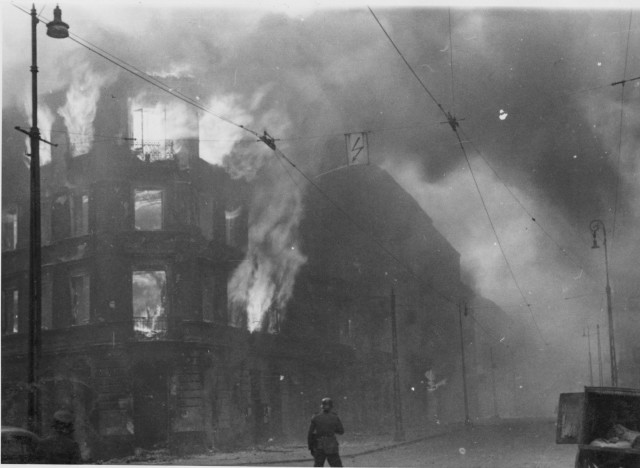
column 79, row 111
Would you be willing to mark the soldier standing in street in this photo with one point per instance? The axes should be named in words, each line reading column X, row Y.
column 322, row 435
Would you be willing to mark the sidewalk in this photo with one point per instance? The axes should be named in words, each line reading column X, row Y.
column 278, row 454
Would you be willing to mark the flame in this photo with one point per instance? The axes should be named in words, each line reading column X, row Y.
column 266, row 276
column 264, row 280
column 45, row 122
column 80, row 109
column 148, row 302
column 152, row 325
column 159, row 121
column 218, row 138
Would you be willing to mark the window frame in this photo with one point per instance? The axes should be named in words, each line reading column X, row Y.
column 153, row 267
column 76, row 273
column 163, row 209
column 11, row 322
column 84, row 216
column 217, row 283
column 232, row 223
column 13, row 211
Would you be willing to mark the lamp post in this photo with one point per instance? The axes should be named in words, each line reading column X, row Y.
column 467, row 419
column 588, row 335
column 595, row 225
column 59, row 30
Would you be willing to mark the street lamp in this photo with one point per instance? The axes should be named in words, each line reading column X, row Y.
column 595, row 225
column 59, row 30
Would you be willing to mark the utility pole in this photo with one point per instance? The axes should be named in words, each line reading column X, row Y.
column 399, row 434
column 588, row 335
column 35, row 263
column 594, row 226
column 493, row 385
column 599, row 356
column 467, row 421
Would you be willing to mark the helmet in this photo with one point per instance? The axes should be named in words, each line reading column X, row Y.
column 63, row 416
column 327, row 403
column 62, row 422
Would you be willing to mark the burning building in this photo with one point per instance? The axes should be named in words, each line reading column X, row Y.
column 170, row 314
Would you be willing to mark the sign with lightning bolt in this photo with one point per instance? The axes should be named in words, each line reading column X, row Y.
column 357, row 148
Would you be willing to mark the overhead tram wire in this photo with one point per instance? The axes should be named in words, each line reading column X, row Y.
column 453, row 122
column 453, row 101
column 302, row 138
column 624, row 74
column 447, row 115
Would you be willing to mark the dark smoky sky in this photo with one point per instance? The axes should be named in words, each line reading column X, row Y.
column 564, row 152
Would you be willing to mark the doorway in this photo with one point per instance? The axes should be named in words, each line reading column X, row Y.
column 150, row 404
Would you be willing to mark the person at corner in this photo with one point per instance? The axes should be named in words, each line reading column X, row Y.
column 321, row 437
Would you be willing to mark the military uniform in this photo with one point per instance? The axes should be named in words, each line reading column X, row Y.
column 322, row 438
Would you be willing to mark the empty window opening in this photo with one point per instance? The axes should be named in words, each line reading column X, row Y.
column 149, row 302
column 80, row 287
column 148, row 210
column 214, row 298
column 150, row 135
column 80, row 215
column 60, row 217
column 9, row 229
column 47, row 302
column 10, row 310
column 232, row 226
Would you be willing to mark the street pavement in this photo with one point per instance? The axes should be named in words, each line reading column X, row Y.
column 491, row 444
column 513, row 444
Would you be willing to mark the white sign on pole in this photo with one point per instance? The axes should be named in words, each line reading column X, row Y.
column 357, row 148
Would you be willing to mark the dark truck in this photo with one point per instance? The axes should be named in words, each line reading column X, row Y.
column 605, row 423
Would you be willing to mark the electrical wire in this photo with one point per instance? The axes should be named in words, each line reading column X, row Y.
column 453, row 100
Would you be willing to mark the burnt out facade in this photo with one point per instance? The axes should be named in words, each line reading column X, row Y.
column 139, row 239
